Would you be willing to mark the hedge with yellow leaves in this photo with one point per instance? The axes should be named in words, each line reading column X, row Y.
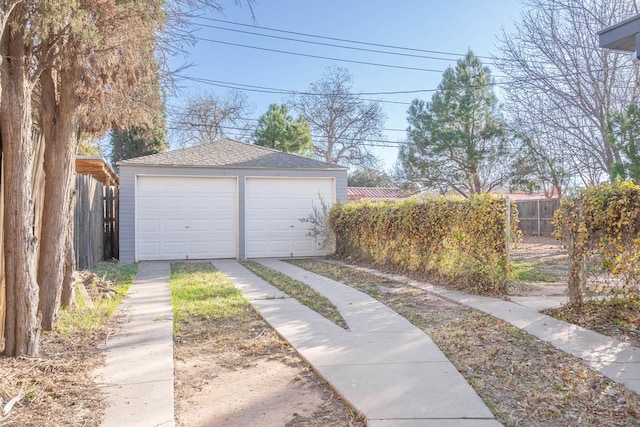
column 458, row 242
column 602, row 223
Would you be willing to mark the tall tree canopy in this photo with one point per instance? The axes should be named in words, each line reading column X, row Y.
column 458, row 142
column 369, row 178
column 340, row 121
column 138, row 140
column 277, row 129
column 624, row 129
column 67, row 68
column 561, row 86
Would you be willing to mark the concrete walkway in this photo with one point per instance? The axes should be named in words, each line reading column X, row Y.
column 613, row 358
column 138, row 375
column 386, row 368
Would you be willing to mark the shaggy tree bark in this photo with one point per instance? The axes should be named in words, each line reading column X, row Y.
column 67, row 297
column 22, row 328
column 60, row 126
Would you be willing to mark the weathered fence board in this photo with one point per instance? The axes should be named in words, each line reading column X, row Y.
column 536, row 216
column 110, row 223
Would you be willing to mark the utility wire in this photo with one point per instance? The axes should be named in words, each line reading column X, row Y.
column 251, row 119
column 409, row 55
column 235, row 128
column 248, row 88
column 307, row 55
column 438, row 52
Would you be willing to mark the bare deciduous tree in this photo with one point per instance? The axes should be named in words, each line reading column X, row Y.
column 340, row 121
column 211, row 117
column 562, row 86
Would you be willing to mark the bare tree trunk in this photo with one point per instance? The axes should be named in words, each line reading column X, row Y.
column 22, row 325
column 5, row 11
column 60, row 127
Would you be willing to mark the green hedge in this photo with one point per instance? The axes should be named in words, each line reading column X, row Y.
column 459, row 242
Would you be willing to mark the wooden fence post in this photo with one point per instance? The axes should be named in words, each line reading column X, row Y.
column 538, row 207
column 507, row 238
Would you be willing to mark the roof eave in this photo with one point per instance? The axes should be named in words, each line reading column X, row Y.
column 621, row 36
column 170, row 165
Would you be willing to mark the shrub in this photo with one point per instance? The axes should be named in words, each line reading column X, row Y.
column 602, row 228
column 461, row 242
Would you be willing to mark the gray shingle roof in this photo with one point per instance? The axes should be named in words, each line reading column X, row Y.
column 227, row 153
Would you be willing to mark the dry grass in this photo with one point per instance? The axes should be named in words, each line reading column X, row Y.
column 234, row 336
column 618, row 318
column 58, row 388
column 524, row 381
column 298, row 290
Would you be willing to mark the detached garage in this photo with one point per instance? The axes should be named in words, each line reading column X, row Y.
column 224, row 199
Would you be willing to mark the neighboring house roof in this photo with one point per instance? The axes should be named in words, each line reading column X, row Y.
column 227, row 153
column 375, row 193
column 98, row 168
column 622, row 36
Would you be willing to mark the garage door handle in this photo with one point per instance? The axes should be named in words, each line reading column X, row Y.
column 186, row 226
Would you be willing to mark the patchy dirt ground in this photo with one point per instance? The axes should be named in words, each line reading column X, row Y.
column 244, row 374
column 550, row 260
column 265, row 391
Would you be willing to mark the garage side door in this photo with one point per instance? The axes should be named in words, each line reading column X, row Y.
column 274, row 207
column 185, row 218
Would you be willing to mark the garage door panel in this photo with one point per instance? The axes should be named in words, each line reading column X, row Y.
column 186, row 217
column 149, row 225
column 175, row 247
column 274, row 209
column 174, row 225
column 150, row 248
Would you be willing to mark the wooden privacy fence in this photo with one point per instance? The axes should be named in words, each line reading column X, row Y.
column 536, row 216
column 95, row 234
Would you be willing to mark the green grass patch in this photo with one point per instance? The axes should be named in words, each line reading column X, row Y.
column 298, row 290
column 201, row 293
column 82, row 319
column 522, row 271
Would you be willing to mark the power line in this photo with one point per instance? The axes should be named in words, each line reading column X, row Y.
column 412, row 49
column 249, row 88
column 307, row 55
column 393, row 144
column 409, row 55
column 263, row 89
column 395, row 92
column 251, row 119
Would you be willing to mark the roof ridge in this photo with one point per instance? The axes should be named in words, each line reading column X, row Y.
column 230, row 153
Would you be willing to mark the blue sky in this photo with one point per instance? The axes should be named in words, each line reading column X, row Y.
column 451, row 26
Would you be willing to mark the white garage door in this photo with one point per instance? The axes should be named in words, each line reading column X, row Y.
column 185, row 218
column 274, row 207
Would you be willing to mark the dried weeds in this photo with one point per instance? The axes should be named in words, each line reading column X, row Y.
column 523, row 380
column 58, row 386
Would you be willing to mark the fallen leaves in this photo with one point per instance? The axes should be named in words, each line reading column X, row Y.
column 523, row 380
